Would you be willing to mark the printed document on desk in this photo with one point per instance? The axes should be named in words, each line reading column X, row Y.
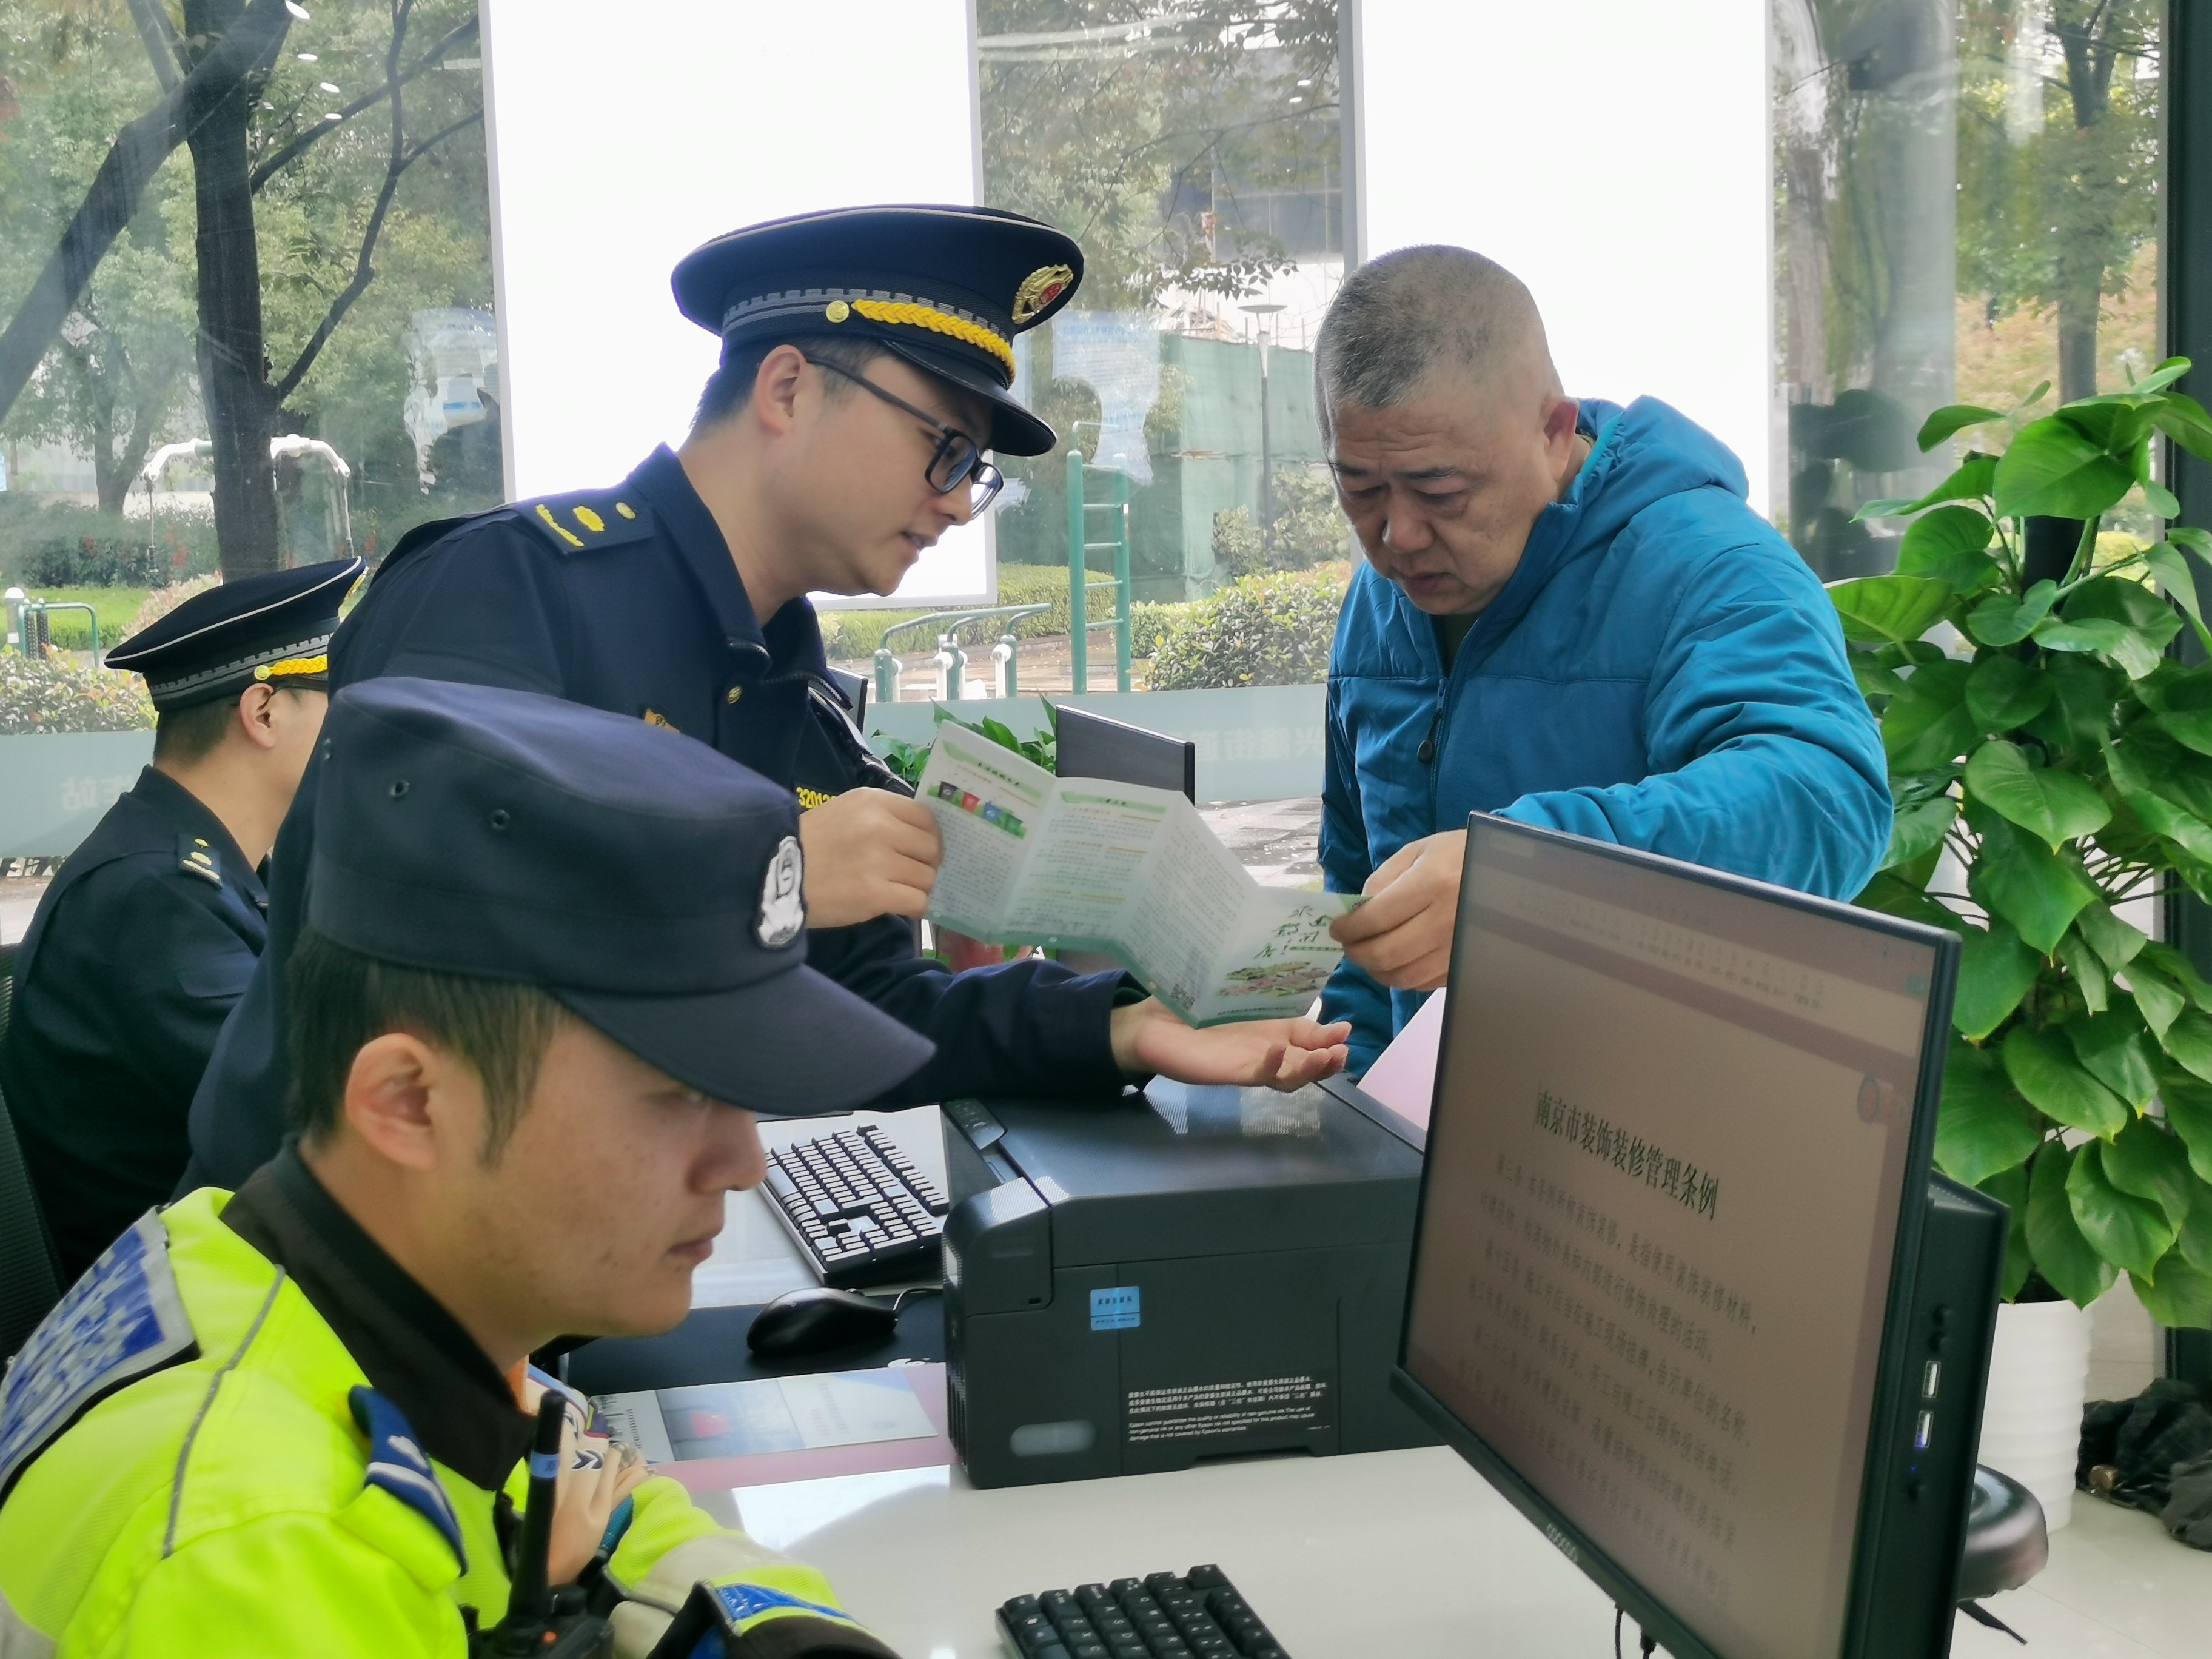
column 1087, row 865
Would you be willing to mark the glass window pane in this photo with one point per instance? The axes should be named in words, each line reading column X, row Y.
column 1967, row 199
column 1195, row 152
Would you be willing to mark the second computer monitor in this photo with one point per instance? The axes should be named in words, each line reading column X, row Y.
column 1665, row 1251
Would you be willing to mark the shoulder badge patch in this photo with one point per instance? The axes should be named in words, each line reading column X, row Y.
column 576, row 523
column 123, row 1319
column 195, row 857
column 398, row 1465
column 783, row 898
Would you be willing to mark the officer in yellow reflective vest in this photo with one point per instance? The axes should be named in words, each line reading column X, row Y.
column 554, row 964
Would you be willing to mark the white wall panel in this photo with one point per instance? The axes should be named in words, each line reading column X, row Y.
column 617, row 149
column 1613, row 155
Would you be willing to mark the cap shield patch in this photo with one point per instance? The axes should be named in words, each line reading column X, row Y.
column 1039, row 289
column 783, row 901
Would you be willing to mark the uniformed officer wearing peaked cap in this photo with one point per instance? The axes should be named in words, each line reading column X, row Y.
column 868, row 372
column 517, row 1118
column 149, row 933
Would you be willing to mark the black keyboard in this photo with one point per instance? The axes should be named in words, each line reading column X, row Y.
column 859, row 1207
column 1199, row 1616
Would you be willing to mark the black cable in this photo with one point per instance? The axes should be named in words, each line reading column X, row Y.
column 1618, row 1616
column 1650, row 1642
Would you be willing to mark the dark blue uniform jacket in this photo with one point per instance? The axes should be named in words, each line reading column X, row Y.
column 139, row 949
column 626, row 600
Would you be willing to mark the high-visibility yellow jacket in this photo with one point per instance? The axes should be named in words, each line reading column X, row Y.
column 235, row 1487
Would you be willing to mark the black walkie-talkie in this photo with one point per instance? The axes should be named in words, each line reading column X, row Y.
column 541, row 1621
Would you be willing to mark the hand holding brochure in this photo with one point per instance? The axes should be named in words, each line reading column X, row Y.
column 1087, row 865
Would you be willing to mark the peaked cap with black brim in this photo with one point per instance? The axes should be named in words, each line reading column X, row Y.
column 946, row 288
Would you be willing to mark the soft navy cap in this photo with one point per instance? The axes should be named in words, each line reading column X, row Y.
column 652, row 885
column 274, row 628
column 946, row 288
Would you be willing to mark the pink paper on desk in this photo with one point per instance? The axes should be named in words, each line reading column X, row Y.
column 1404, row 1076
column 867, row 1457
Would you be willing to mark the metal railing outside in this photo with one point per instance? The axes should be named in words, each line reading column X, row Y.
column 1080, row 548
column 952, row 660
column 28, row 631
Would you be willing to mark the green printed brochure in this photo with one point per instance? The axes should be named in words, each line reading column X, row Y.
column 1085, row 865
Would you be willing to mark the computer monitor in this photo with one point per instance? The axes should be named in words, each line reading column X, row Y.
column 1682, row 1289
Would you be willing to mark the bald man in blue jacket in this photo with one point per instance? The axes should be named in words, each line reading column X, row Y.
column 1568, row 616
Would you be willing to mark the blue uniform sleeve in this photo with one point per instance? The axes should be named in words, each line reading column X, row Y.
column 1764, row 758
column 1351, row 992
column 1030, row 1027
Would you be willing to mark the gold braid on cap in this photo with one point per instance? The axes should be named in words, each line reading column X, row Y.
column 270, row 670
column 940, row 322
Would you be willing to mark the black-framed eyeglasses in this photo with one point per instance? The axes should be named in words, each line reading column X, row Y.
column 956, row 461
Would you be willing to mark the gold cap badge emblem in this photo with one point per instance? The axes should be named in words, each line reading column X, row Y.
column 1039, row 289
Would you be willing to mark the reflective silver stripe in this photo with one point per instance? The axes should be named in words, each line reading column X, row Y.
column 185, row 1451
column 17, row 1639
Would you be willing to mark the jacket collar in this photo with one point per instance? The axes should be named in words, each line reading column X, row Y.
column 412, row 1351
column 791, row 643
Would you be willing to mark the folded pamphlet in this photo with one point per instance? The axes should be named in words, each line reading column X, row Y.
column 1083, row 863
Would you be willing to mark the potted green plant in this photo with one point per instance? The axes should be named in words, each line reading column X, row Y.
column 2038, row 733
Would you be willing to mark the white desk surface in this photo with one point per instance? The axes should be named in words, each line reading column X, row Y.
column 1408, row 1553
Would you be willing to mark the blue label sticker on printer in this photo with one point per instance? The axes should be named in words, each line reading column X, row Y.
column 1115, row 1309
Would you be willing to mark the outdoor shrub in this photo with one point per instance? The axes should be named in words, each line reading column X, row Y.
column 52, row 694
column 1270, row 629
column 59, row 544
column 1149, row 624
column 851, row 633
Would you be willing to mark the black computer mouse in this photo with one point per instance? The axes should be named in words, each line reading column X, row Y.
column 811, row 1319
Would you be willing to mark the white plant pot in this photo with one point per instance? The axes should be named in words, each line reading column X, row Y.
column 2032, row 1420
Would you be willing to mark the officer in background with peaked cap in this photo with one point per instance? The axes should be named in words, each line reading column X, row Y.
column 515, row 1119
column 148, row 935
column 867, row 371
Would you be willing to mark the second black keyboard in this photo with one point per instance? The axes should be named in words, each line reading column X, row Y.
column 1193, row 1615
column 859, row 1207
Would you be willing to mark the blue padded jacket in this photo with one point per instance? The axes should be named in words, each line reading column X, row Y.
column 1662, row 672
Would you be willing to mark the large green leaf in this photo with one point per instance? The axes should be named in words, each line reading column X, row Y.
column 2147, row 1161
column 1949, row 545
column 2010, row 1189
column 1894, row 896
column 1995, row 970
column 2189, row 1040
column 1926, row 726
column 2177, row 968
column 2042, row 1068
column 2188, row 1109
column 2051, row 469
column 2149, row 759
column 2055, row 806
column 2189, row 726
column 2002, row 619
column 2114, row 940
column 1982, row 1126
column 2018, row 878
column 2080, row 715
column 2117, row 1051
column 2127, row 1231
column 2087, row 970
column 2161, row 816
column 2183, row 420
column 1973, row 480
column 2196, row 1241
column 1874, row 680
column 2135, row 624
column 2137, row 650
column 2178, row 582
column 1951, row 419
column 1918, row 829
column 2004, row 692
column 1891, row 608
column 2158, row 998
column 2064, row 1256
column 2179, row 1292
